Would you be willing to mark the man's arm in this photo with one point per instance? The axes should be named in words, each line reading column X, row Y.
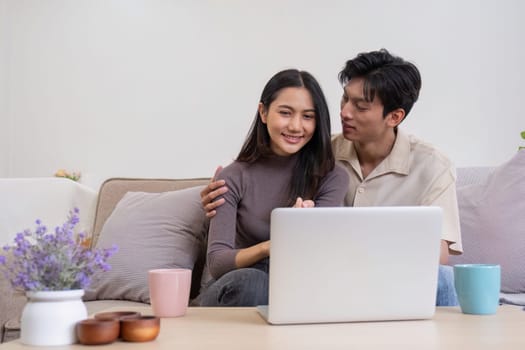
column 443, row 255
column 451, row 237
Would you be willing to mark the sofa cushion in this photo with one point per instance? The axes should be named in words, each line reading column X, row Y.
column 493, row 222
column 152, row 230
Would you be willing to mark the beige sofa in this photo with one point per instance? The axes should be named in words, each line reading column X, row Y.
column 474, row 192
column 111, row 192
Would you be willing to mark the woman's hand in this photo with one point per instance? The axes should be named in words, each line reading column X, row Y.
column 300, row 203
column 214, row 189
column 251, row 255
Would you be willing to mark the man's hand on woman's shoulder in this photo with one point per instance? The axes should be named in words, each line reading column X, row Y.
column 208, row 194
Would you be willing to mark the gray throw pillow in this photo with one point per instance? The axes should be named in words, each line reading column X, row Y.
column 151, row 230
column 492, row 215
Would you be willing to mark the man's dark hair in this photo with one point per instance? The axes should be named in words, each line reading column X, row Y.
column 395, row 81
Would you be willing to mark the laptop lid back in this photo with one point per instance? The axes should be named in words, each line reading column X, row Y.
column 353, row 264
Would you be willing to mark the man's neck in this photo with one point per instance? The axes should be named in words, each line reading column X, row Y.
column 370, row 154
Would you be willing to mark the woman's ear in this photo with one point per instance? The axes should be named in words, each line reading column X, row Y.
column 396, row 117
column 263, row 112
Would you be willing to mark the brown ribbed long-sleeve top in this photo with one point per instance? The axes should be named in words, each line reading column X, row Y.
column 254, row 190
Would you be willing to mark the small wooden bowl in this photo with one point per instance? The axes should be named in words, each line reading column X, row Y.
column 144, row 328
column 117, row 315
column 97, row 332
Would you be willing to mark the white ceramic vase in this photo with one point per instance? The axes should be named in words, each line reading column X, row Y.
column 49, row 317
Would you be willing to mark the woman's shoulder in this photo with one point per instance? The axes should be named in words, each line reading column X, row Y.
column 233, row 170
column 333, row 188
column 339, row 171
column 338, row 177
column 261, row 168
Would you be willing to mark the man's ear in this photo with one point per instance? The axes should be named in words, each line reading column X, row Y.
column 263, row 112
column 396, row 117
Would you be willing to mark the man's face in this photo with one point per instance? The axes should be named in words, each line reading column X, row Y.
column 362, row 121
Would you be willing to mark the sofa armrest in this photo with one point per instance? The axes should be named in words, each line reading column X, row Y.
column 11, row 302
column 23, row 200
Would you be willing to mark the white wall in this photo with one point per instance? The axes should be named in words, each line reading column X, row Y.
column 4, row 120
column 164, row 88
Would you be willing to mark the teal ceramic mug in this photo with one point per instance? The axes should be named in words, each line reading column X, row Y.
column 477, row 287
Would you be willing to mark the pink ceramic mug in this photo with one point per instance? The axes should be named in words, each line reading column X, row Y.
column 169, row 291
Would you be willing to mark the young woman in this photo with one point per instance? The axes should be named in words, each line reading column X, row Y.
column 286, row 160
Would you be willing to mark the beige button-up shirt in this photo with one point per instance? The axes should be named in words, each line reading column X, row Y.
column 414, row 173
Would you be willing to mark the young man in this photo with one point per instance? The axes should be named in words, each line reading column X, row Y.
column 386, row 166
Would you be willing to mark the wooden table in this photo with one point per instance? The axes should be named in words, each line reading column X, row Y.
column 243, row 328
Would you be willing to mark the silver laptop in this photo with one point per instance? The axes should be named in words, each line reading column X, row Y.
column 353, row 264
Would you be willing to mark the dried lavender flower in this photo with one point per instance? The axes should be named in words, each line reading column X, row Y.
column 41, row 260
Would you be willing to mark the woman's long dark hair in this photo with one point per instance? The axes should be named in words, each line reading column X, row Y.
column 315, row 159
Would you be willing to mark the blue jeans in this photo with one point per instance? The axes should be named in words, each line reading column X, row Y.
column 249, row 287
column 241, row 287
column 446, row 293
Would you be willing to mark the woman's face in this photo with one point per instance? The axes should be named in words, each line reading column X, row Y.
column 290, row 120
